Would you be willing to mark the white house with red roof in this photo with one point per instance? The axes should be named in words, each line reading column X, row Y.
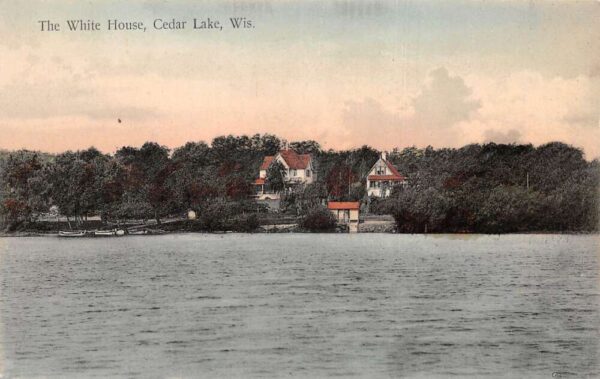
column 299, row 170
column 382, row 177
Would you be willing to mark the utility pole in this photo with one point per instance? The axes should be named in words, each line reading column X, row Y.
column 348, row 172
column 527, row 181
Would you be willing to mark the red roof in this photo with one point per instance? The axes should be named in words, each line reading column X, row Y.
column 291, row 158
column 295, row 160
column 343, row 205
column 393, row 169
column 395, row 176
column 259, row 181
column 266, row 162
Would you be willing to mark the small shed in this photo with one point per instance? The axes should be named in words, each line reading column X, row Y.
column 191, row 215
column 346, row 212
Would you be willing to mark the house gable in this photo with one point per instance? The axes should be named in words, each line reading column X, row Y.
column 384, row 170
column 280, row 159
column 382, row 177
column 379, row 168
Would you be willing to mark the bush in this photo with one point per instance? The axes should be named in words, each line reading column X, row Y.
column 244, row 223
column 422, row 211
column 379, row 206
column 510, row 209
column 212, row 218
column 221, row 216
column 318, row 219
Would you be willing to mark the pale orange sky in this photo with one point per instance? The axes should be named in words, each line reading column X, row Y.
column 345, row 73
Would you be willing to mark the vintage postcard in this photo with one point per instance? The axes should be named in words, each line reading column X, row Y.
column 287, row 188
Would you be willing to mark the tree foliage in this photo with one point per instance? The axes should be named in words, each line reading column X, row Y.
column 276, row 174
column 495, row 189
column 318, row 219
column 490, row 188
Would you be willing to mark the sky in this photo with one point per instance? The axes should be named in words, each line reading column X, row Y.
column 345, row 73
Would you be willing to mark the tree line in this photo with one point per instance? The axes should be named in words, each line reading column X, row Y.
column 495, row 188
column 476, row 188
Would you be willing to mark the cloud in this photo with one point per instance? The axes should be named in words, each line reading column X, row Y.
column 368, row 118
column 586, row 112
column 444, row 101
column 429, row 117
column 589, row 119
column 450, row 110
column 50, row 100
column 541, row 108
column 48, row 86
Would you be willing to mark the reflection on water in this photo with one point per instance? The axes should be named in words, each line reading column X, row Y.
column 300, row 305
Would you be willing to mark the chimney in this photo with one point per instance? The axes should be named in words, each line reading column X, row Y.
column 384, row 155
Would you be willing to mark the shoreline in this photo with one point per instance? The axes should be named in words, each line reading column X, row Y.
column 22, row 234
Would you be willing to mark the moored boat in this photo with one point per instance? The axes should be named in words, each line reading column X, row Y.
column 138, row 232
column 72, row 233
column 104, row 233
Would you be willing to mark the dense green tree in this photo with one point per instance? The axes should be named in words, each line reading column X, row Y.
column 267, row 144
column 306, row 147
column 311, row 196
column 502, row 188
column 22, row 193
column 318, row 219
column 418, row 211
column 149, row 182
column 276, row 176
column 339, row 181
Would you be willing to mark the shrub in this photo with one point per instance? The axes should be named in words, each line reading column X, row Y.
column 245, row 223
column 221, row 216
column 422, row 211
column 213, row 216
column 318, row 219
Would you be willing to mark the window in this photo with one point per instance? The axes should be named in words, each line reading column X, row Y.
column 294, row 172
column 308, row 173
column 380, row 170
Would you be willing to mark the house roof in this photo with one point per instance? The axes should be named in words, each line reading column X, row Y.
column 334, row 205
column 259, row 181
column 393, row 169
column 266, row 162
column 395, row 176
column 291, row 158
column 295, row 160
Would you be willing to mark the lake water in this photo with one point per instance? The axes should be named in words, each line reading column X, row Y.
column 300, row 305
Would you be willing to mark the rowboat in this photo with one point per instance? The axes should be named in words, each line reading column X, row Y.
column 104, row 233
column 75, row 233
column 137, row 232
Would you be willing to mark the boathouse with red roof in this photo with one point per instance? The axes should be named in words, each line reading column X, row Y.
column 346, row 212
